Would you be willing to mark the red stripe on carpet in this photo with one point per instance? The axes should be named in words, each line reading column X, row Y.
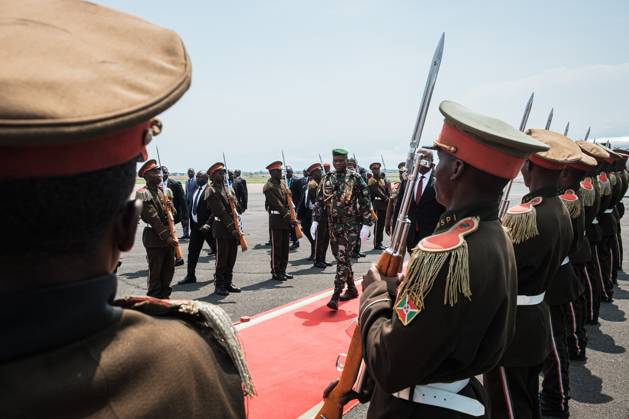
column 291, row 353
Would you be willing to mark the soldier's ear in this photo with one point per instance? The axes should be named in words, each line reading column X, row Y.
column 126, row 225
column 457, row 169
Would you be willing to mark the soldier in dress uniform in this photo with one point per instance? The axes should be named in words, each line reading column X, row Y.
column 322, row 234
column 226, row 234
column 68, row 349
column 395, row 194
column 343, row 196
column 280, row 223
column 542, row 235
column 156, row 237
column 379, row 191
column 453, row 314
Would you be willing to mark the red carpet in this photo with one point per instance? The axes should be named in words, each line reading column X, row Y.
column 291, row 351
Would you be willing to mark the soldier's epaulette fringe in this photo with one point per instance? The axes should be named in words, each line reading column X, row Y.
column 521, row 221
column 612, row 178
column 572, row 203
column 372, row 182
column 428, row 258
column 587, row 192
column 606, row 187
column 312, row 185
column 203, row 315
column 143, row 194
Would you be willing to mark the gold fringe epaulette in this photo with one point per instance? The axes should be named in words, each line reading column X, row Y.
column 587, row 192
column 312, row 185
column 372, row 181
column 603, row 181
column 427, row 260
column 143, row 194
column 612, row 178
column 521, row 221
column 572, row 202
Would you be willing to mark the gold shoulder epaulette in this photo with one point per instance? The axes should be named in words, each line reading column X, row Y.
column 372, row 181
column 143, row 194
column 313, row 184
column 612, row 178
column 169, row 193
column 521, row 220
column 572, row 202
column 427, row 260
column 603, row 181
column 266, row 186
column 587, row 192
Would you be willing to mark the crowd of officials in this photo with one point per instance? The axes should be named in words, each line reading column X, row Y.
column 507, row 296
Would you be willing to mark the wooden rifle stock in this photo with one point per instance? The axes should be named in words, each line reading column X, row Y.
column 291, row 208
column 232, row 205
column 171, row 226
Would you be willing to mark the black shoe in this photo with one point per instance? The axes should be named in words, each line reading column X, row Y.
column 362, row 255
column 179, row 262
column 232, row 288
column 279, row 277
column 294, row 246
column 333, row 304
column 287, row 276
column 268, row 243
column 189, row 279
column 379, row 247
column 349, row 294
column 556, row 413
column 311, row 258
column 320, row 265
column 221, row 291
column 184, row 237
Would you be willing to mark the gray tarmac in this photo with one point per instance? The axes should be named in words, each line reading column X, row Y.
column 599, row 387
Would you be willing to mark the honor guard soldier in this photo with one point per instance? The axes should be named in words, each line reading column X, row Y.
column 156, row 237
column 280, row 223
column 395, row 193
column 542, row 236
column 352, row 164
column 453, row 314
column 80, row 90
column 379, row 191
column 343, row 197
column 225, row 232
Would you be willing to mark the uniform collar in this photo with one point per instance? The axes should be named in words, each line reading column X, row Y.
column 487, row 211
column 545, row 192
column 39, row 320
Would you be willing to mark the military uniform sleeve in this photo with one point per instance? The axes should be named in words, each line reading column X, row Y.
column 318, row 212
column 218, row 209
column 275, row 203
column 151, row 216
column 399, row 356
column 375, row 190
column 364, row 203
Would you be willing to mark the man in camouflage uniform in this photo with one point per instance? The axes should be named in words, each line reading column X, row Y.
column 352, row 164
column 342, row 197
column 380, row 191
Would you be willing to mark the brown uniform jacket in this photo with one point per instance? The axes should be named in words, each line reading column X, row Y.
column 72, row 355
column 443, row 343
column 538, row 260
column 379, row 193
column 154, row 215
column 277, row 204
column 218, row 203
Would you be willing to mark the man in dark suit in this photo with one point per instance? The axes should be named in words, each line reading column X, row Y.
column 179, row 201
column 240, row 190
column 296, row 186
column 189, row 187
column 200, row 227
column 424, row 211
column 306, row 204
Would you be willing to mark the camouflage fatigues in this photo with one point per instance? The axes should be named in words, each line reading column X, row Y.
column 343, row 199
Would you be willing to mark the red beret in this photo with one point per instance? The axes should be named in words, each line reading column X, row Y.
column 276, row 165
column 313, row 167
column 149, row 165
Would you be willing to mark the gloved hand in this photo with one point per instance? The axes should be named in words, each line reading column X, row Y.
column 364, row 232
column 313, row 230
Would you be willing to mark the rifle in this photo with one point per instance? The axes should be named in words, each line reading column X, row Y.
column 587, row 134
column 390, row 261
column 384, row 170
column 504, row 204
column 232, row 206
column 565, row 131
column 550, row 118
column 291, row 206
column 169, row 213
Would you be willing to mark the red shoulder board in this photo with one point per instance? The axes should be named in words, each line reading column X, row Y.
column 587, row 184
column 525, row 207
column 450, row 239
column 602, row 177
column 569, row 196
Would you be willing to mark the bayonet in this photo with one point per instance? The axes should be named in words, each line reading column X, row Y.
column 550, row 118
column 565, row 131
column 587, row 134
column 384, row 165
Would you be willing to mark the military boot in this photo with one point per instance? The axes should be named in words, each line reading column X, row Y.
column 350, row 293
column 333, row 304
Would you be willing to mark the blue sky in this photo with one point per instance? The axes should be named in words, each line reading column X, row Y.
column 308, row 76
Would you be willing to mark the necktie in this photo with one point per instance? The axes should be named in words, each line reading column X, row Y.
column 418, row 193
column 196, row 201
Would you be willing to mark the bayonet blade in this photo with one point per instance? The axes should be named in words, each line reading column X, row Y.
column 587, row 134
column 565, row 131
column 527, row 112
column 550, row 118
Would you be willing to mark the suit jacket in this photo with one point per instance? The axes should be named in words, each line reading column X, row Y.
column 424, row 217
column 204, row 213
column 297, row 188
column 179, row 200
column 191, row 186
column 242, row 195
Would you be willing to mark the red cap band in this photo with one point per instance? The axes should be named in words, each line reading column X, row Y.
column 546, row 164
column 483, row 157
column 70, row 159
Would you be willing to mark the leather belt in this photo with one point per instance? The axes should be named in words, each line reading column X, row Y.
column 443, row 395
column 274, row 212
column 530, row 300
column 609, row 211
column 595, row 221
column 565, row 261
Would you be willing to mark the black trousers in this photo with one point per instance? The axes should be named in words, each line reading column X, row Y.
column 306, row 223
column 379, row 228
column 197, row 238
column 279, row 250
column 556, row 384
column 576, row 336
column 161, row 262
column 226, row 252
column 606, row 255
column 513, row 392
column 322, row 241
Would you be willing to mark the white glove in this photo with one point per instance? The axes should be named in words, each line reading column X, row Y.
column 364, row 232
column 313, row 230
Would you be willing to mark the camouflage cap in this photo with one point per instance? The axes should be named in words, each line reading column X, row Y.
column 340, row 152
